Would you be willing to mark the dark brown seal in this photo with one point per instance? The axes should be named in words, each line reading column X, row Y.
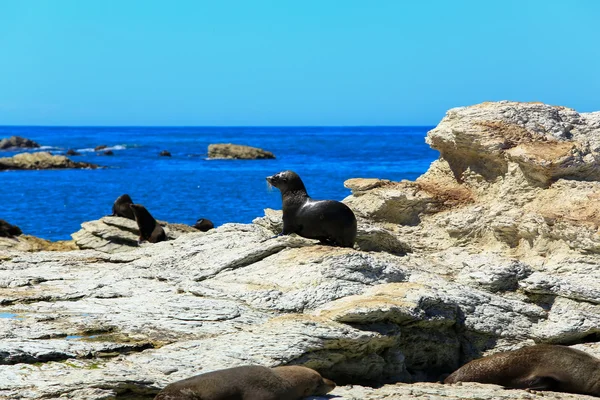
column 541, row 367
column 121, row 207
column 329, row 221
column 250, row 382
column 9, row 230
column 204, row 224
column 150, row 230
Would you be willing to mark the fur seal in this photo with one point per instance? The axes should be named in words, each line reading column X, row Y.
column 150, row 230
column 250, row 382
column 541, row 367
column 329, row 221
column 204, row 224
column 121, row 207
column 9, row 230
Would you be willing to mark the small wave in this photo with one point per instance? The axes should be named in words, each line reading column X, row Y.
column 44, row 148
column 91, row 149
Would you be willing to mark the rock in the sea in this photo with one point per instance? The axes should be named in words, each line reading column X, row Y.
column 109, row 153
column 236, row 151
column 100, row 147
column 165, row 153
column 72, row 152
column 41, row 160
column 9, row 230
column 17, row 142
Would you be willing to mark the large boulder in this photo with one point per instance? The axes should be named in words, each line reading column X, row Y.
column 237, row 151
column 17, row 142
column 41, row 160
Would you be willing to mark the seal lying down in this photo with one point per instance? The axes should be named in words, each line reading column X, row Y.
column 250, row 382
column 329, row 221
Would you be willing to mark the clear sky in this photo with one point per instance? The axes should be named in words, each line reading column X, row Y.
column 284, row 62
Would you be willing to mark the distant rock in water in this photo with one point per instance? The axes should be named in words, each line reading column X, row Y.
column 41, row 160
column 72, row 152
column 237, row 151
column 204, row 224
column 8, row 230
column 116, row 234
column 17, row 142
column 165, row 153
column 108, row 153
column 101, row 147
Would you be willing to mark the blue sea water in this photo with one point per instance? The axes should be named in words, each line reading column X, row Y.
column 53, row 203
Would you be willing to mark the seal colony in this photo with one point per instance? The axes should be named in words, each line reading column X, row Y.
column 250, row 382
column 329, row 221
column 541, row 367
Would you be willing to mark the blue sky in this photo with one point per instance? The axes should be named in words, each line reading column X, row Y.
column 310, row 62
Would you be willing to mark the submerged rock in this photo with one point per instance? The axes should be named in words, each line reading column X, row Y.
column 40, row 160
column 72, row 152
column 237, row 151
column 17, row 142
column 165, row 153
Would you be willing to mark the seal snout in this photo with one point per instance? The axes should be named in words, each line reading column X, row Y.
column 328, row 386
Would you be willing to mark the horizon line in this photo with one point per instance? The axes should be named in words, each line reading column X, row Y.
column 216, row 126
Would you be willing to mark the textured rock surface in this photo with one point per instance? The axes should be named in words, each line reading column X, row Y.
column 116, row 234
column 237, row 151
column 40, row 160
column 17, row 142
column 491, row 250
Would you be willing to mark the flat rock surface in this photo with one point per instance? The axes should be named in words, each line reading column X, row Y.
column 41, row 160
column 467, row 261
column 237, row 151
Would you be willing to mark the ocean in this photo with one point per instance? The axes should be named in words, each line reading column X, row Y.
column 52, row 204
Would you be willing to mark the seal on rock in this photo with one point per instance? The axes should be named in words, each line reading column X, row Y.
column 250, row 382
column 541, row 367
column 121, row 208
column 9, row 230
column 329, row 221
column 150, row 230
column 204, row 224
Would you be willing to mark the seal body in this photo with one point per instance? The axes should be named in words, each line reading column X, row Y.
column 540, row 367
column 329, row 221
column 121, row 207
column 204, row 224
column 150, row 230
column 250, row 382
column 9, row 230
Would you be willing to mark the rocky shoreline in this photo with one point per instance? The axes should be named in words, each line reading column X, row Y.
column 494, row 248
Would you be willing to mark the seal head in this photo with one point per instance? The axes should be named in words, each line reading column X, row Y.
column 121, row 207
column 329, row 221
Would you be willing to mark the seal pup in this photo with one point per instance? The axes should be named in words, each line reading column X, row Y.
column 121, row 208
column 150, row 230
column 204, row 224
column 329, row 221
column 541, row 367
column 250, row 382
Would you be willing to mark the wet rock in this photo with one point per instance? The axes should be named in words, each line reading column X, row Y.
column 165, row 153
column 17, row 142
column 72, row 152
column 109, row 153
column 40, row 160
column 236, row 151
column 100, row 147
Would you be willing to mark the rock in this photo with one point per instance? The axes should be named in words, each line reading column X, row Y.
column 204, row 225
column 40, row 160
column 492, row 249
column 32, row 243
column 165, row 153
column 72, row 152
column 109, row 153
column 236, row 151
column 17, row 142
column 8, row 230
column 116, row 234
column 100, row 147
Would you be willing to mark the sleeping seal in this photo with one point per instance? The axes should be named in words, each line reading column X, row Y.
column 250, row 382
column 540, row 367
